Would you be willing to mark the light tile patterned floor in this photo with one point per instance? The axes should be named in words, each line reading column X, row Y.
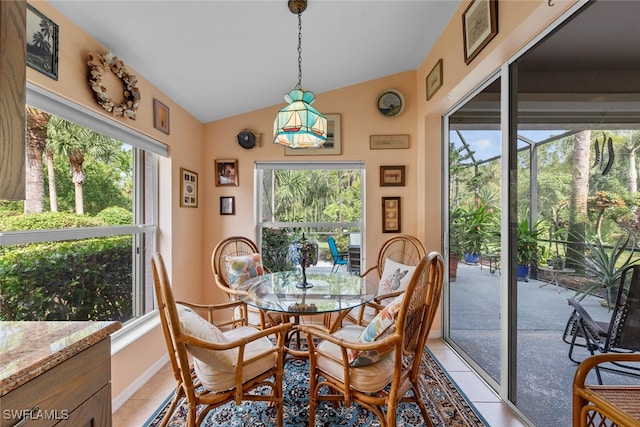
column 135, row 411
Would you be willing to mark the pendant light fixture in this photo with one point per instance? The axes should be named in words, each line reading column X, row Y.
column 298, row 124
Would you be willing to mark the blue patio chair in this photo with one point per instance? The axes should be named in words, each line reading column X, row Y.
column 339, row 258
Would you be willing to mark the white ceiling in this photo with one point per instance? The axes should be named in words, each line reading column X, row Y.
column 220, row 58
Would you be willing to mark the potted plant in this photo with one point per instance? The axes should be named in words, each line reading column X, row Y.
column 476, row 222
column 527, row 246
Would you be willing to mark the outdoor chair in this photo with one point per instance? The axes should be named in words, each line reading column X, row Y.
column 376, row 366
column 227, row 366
column 234, row 260
column 397, row 259
column 339, row 258
column 620, row 335
column 605, row 405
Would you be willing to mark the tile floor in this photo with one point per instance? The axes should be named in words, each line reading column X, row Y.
column 145, row 401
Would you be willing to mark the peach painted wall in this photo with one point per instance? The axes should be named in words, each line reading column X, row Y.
column 359, row 119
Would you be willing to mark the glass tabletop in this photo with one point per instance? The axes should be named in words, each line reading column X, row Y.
column 330, row 292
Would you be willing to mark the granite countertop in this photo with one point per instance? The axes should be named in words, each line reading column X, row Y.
column 29, row 349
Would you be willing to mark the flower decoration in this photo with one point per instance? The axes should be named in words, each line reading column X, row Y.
column 101, row 64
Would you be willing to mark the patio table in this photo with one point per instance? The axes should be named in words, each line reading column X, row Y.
column 554, row 275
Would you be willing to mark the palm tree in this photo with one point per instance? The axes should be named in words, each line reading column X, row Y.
column 74, row 141
column 579, row 194
column 37, row 122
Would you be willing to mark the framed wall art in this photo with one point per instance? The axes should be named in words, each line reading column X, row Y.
column 227, row 205
column 383, row 142
column 160, row 116
column 434, row 79
column 391, row 215
column 390, row 103
column 188, row 188
column 42, row 43
column 479, row 26
column 333, row 146
column 392, row 176
column 226, row 173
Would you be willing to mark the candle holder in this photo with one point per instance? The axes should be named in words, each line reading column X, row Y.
column 303, row 252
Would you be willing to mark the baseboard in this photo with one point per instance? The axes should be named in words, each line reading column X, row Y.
column 126, row 394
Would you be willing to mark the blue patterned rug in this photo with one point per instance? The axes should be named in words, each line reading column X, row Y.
column 446, row 404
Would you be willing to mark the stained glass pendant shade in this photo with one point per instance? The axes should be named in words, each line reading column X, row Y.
column 298, row 124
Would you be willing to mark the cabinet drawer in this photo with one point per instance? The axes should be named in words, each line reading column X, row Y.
column 59, row 391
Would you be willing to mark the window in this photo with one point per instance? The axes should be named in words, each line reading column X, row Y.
column 320, row 199
column 79, row 246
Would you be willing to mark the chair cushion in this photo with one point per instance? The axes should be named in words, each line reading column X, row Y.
column 380, row 327
column 242, row 268
column 216, row 379
column 193, row 324
column 395, row 277
column 367, row 379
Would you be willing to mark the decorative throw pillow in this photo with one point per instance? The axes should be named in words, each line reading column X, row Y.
column 242, row 268
column 395, row 277
column 383, row 325
column 193, row 324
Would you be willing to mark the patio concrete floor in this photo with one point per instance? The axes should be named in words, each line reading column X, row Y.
column 545, row 373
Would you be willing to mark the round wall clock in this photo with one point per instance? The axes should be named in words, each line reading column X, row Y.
column 247, row 138
column 390, row 103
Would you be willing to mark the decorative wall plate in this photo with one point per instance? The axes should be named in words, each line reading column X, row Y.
column 247, row 138
column 390, row 103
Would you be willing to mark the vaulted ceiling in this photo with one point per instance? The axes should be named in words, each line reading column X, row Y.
column 220, row 58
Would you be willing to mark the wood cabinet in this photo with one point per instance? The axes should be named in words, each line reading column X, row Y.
column 12, row 99
column 76, row 392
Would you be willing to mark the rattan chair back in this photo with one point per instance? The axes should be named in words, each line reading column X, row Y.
column 402, row 248
column 231, row 246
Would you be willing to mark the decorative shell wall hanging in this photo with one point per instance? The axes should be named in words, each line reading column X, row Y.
column 101, row 64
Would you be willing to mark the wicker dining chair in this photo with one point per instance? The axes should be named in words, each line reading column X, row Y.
column 403, row 249
column 235, row 246
column 227, row 366
column 351, row 365
column 605, row 405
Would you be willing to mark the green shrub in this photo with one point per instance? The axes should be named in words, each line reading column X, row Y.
column 77, row 280
column 115, row 216
column 47, row 221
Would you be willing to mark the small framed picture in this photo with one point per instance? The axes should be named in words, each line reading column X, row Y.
column 392, row 176
column 42, row 43
column 434, row 79
column 385, row 142
column 227, row 205
column 160, row 116
column 188, row 189
column 391, row 215
column 226, row 173
column 479, row 26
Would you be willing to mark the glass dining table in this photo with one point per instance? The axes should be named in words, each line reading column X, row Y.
column 331, row 294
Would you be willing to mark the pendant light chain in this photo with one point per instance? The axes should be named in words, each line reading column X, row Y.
column 299, row 86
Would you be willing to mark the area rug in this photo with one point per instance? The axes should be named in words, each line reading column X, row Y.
column 446, row 404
